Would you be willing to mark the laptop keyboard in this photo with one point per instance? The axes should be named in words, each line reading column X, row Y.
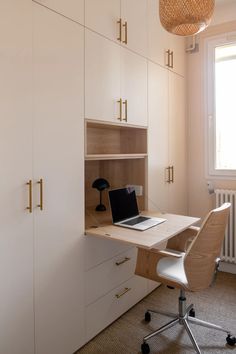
column 135, row 220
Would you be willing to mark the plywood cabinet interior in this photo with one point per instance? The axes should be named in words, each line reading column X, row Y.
column 118, row 154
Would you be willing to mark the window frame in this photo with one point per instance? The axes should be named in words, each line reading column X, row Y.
column 210, row 44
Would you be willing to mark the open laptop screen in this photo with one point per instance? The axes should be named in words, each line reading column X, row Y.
column 123, row 204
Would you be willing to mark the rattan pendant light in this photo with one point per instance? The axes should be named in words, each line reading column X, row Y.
column 185, row 17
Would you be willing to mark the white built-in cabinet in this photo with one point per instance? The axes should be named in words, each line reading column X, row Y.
column 167, row 156
column 58, row 287
column 115, row 82
column 164, row 48
column 115, row 20
column 58, row 71
column 73, row 9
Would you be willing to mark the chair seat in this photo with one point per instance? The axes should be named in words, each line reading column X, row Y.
column 172, row 268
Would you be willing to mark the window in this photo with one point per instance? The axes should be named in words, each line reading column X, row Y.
column 221, row 108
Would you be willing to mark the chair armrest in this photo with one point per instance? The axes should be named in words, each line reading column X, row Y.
column 170, row 253
column 182, row 241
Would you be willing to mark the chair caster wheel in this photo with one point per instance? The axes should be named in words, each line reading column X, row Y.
column 191, row 313
column 145, row 348
column 231, row 340
column 147, row 317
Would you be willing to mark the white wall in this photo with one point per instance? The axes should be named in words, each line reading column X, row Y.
column 200, row 202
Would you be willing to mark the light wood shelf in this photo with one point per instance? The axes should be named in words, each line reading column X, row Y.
column 95, row 157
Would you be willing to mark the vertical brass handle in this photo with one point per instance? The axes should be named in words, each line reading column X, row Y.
column 168, row 58
column 125, row 25
column 126, row 110
column 123, row 292
column 172, row 174
column 172, row 60
column 120, row 105
column 40, row 205
column 120, row 29
column 168, row 174
column 29, row 207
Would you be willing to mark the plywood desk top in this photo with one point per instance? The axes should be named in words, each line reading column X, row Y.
column 149, row 238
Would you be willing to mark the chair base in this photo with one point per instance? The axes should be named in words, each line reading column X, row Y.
column 183, row 318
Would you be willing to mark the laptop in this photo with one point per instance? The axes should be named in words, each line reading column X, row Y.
column 124, row 209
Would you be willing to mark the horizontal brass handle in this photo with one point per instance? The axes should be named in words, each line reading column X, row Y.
column 123, row 293
column 126, row 259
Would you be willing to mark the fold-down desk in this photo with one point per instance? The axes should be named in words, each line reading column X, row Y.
column 149, row 238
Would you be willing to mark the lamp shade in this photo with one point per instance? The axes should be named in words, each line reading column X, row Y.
column 185, row 17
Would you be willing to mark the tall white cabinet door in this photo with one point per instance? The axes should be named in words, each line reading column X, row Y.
column 134, row 87
column 158, row 136
column 73, row 9
column 177, row 144
column 102, row 16
column 102, row 78
column 16, row 223
column 158, row 38
column 134, row 12
column 58, row 159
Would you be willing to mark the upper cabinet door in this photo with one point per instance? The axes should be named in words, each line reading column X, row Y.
column 134, row 88
column 158, row 38
column 16, row 223
column 164, row 48
column 102, row 78
column 134, row 25
column 73, row 9
column 102, row 16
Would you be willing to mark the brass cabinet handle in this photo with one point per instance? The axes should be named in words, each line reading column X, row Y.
column 120, row 29
column 123, row 293
column 172, row 60
column 40, row 205
column 125, row 25
column 29, row 207
column 120, row 105
column 126, row 110
column 172, row 174
column 126, row 259
column 168, row 58
column 168, row 174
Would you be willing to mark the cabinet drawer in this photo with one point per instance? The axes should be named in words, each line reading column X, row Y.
column 107, row 309
column 100, row 250
column 108, row 275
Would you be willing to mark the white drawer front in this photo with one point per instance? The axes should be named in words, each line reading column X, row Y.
column 108, row 308
column 108, row 275
column 98, row 250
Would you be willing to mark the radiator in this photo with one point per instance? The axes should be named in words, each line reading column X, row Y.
column 228, row 252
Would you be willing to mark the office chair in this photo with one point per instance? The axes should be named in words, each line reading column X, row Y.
column 189, row 263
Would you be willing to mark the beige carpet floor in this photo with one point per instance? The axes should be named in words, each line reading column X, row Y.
column 216, row 304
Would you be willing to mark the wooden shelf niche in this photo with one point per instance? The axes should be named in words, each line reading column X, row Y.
column 118, row 154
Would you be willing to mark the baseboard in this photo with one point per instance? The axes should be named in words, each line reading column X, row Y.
column 227, row 267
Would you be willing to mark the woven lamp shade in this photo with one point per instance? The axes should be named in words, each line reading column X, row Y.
column 185, row 17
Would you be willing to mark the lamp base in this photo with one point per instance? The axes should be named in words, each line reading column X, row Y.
column 100, row 207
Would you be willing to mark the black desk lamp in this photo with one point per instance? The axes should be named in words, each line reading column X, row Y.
column 100, row 184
